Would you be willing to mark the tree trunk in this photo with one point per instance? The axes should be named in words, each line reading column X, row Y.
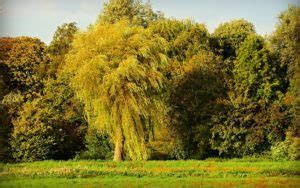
column 119, row 147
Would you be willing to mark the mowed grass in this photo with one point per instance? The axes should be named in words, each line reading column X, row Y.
column 207, row 173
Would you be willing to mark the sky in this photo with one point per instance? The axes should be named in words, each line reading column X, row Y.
column 40, row 18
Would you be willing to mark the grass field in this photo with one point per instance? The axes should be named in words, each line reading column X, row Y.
column 208, row 173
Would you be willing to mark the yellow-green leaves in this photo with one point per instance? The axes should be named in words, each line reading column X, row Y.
column 137, row 12
column 114, row 71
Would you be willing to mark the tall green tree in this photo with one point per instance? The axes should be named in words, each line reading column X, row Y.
column 255, row 71
column 188, row 45
column 285, row 42
column 60, row 46
column 118, row 83
column 248, row 124
column 194, row 100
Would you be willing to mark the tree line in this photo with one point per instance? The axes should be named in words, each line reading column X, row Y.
column 136, row 85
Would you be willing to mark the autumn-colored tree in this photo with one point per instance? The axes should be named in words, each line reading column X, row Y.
column 27, row 64
column 5, row 47
column 6, row 44
column 55, row 115
column 118, row 82
column 4, row 117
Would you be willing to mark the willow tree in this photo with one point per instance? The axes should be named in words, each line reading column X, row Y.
column 114, row 71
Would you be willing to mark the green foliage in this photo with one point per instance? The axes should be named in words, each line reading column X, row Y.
column 29, row 142
column 185, row 38
column 134, row 10
column 97, row 145
column 286, row 40
column 50, row 126
column 118, row 81
column 179, row 151
column 247, row 129
column 255, row 71
column 4, row 116
column 255, row 117
column 62, row 39
column 5, row 130
column 187, row 72
column 294, row 149
column 27, row 64
column 230, row 35
column 193, row 101
column 286, row 150
column 22, row 64
column 280, row 150
column 60, row 46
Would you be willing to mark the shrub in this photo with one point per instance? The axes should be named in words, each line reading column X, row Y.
column 294, row 149
column 178, row 152
column 279, row 151
column 98, row 146
column 287, row 149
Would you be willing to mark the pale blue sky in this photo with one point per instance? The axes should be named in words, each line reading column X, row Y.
column 39, row 18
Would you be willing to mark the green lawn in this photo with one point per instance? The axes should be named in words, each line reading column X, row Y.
column 208, row 173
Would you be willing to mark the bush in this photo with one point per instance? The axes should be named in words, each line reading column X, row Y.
column 178, row 152
column 98, row 146
column 40, row 132
column 287, row 149
column 294, row 149
column 279, row 151
column 32, row 138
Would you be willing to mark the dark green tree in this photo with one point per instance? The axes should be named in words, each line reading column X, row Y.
column 285, row 42
column 248, row 125
column 194, row 100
